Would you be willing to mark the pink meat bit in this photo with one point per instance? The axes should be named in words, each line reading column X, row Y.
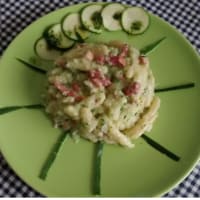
column 118, row 61
column 89, row 55
column 74, row 91
column 100, row 59
column 142, row 60
column 94, row 73
column 106, row 82
column 133, row 88
column 96, row 82
column 98, row 79
column 76, row 87
column 122, row 61
column 124, row 51
column 61, row 62
column 64, row 90
column 79, row 98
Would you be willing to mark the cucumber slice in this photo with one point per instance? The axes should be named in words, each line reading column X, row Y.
column 135, row 20
column 45, row 52
column 91, row 18
column 111, row 15
column 55, row 37
column 81, row 34
column 71, row 24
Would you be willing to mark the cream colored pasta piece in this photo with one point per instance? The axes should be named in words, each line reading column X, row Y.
column 94, row 100
column 119, row 137
column 130, row 69
column 80, row 64
column 68, row 100
column 101, row 49
column 72, row 111
column 114, row 107
column 129, row 116
column 75, row 53
column 149, row 126
column 103, row 69
column 139, row 128
column 149, row 90
column 65, row 77
column 91, row 87
column 87, row 118
column 56, row 71
column 140, row 98
column 101, row 128
column 88, row 135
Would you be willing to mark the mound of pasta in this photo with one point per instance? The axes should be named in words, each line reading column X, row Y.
column 102, row 92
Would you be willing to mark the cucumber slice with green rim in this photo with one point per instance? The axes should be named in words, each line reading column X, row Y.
column 135, row 20
column 91, row 18
column 55, row 37
column 44, row 51
column 82, row 35
column 111, row 15
column 71, row 25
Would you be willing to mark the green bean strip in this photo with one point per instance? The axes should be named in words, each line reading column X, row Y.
column 52, row 156
column 31, row 66
column 97, row 168
column 160, row 148
column 13, row 108
column 149, row 48
column 176, row 87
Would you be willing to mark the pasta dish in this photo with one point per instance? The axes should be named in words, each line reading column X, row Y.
column 102, row 92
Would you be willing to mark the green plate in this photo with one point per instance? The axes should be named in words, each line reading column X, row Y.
column 26, row 136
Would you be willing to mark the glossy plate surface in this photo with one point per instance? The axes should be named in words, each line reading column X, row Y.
column 26, row 136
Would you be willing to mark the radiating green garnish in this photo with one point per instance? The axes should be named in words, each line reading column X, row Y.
column 97, row 168
column 149, row 48
column 176, row 87
column 13, row 108
column 52, row 156
column 160, row 148
column 31, row 66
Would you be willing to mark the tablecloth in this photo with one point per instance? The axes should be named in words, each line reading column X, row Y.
column 15, row 15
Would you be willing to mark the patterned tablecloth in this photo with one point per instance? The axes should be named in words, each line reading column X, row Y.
column 15, row 15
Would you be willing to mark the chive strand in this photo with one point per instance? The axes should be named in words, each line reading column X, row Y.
column 176, row 87
column 97, row 168
column 160, row 148
column 8, row 109
column 52, row 156
column 31, row 66
column 14, row 108
column 34, row 106
column 149, row 48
